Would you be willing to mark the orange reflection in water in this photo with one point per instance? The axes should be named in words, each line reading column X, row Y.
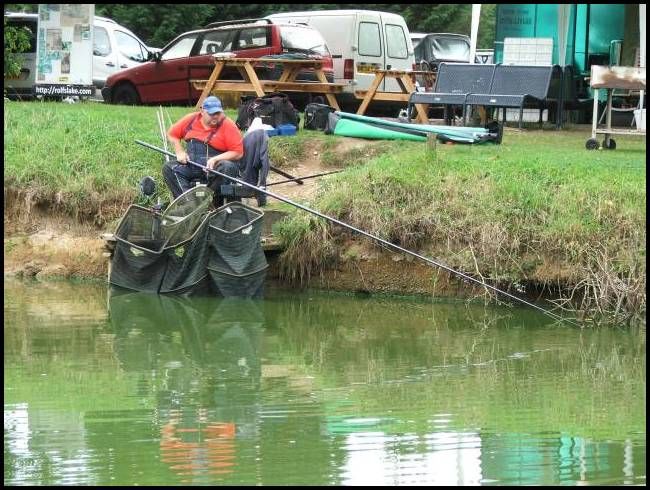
column 205, row 448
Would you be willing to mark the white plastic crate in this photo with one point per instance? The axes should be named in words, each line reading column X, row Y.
column 530, row 115
column 528, row 51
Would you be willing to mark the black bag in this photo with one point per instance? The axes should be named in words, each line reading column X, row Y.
column 316, row 116
column 274, row 109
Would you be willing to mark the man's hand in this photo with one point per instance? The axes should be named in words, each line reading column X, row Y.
column 181, row 156
column 211, row 163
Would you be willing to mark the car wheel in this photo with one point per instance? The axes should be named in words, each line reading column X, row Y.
column 126, row 94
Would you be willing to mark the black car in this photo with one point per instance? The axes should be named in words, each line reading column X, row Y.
column 432, row 49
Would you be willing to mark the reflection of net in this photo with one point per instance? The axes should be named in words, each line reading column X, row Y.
column 237, row 263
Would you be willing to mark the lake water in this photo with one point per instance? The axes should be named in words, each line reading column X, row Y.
column 106, row 388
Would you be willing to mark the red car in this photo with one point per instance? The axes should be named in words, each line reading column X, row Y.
column 165, row 79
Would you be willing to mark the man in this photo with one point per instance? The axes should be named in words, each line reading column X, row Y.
column 213, row 141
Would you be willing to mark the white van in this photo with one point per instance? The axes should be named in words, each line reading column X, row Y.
column 114, row 48
column 360, row 41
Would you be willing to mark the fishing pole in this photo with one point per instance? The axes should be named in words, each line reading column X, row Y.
column 369, row 235
column 298, row 180
column 313, row 176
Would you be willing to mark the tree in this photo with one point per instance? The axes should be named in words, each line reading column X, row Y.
column 16, row 42
column 158, row 24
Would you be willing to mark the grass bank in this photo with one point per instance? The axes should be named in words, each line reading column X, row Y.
column 82, row 159
column 538, row 210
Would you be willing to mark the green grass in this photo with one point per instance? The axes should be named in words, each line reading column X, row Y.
column 85, row 153
column 537, row 208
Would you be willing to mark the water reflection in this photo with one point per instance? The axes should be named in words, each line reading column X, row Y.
column 206, row 356
column 307, row 388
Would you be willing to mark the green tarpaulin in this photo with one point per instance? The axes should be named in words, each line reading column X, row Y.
column 358, row 129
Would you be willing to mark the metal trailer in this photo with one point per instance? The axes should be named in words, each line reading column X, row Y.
column 609, row 78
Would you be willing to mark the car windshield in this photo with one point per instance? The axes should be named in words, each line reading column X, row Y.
column 452, row 49
column 295, row 38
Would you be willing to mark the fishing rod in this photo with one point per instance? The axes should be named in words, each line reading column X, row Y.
column 291, row 178
column 304, row 178
column 369, row 235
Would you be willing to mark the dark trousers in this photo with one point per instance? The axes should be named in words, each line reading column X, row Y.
column 180, row 178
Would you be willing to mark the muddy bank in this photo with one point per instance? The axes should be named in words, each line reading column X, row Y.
column 50, row 248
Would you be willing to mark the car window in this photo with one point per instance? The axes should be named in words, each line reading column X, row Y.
column 217, row 42
column 130, row 46
column 101, row 44
column 303, row 39
column 251, row 38
column 396, row 42
column 369, row 41
column 454, row 49
column 29, row 26
column 181, row 48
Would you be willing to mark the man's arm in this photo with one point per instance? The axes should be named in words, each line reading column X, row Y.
column 226, row 155
column 181, row 154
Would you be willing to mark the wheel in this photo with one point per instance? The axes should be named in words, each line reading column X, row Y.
column 592, row 144
column 611, row 145
column 126, row 95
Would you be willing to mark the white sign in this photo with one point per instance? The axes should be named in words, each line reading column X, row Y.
column 64, row 49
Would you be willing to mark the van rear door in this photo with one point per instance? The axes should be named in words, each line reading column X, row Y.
column 369, row 49
column 399, row 51
column 338, row 32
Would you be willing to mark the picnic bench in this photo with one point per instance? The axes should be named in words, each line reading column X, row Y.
column 499, row 86
column 406, row 85
column 453, row 82
column 250, row 81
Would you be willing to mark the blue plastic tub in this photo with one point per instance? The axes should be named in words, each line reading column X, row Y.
column 286, row 130
column 272, row 132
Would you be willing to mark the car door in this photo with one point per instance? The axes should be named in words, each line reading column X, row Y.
column 130, row 51
column 369, row 50
column 397, row 52
column 104, row 56
column 202, row 64
column 167, row 80
column 254, row 42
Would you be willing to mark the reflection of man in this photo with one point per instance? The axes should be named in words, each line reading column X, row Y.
column 212, row 443
column 206, row 386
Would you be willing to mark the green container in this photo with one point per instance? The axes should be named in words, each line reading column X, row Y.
column 593, row 30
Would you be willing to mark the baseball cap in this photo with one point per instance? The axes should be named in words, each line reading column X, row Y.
column 212, row 105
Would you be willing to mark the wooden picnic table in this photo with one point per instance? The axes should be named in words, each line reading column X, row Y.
column 406, row 84
column 251, row 83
